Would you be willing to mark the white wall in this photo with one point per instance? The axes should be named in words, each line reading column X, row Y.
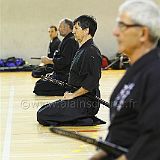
column 24, row 24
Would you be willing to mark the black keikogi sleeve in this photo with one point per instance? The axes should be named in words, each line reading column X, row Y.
column 66, row 54
column 91, row 68
column 53, row 46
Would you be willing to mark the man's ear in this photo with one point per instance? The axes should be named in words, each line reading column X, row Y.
column 87, row 30
column 144, row 35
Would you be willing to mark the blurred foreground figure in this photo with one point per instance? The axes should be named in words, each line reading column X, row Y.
column 135, row 102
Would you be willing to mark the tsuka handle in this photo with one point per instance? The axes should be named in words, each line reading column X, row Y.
column 102, row 101
column 35, row 58
column 106, row 146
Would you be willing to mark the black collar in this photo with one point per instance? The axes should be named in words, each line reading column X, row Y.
column 87, row 43
column 69, row 35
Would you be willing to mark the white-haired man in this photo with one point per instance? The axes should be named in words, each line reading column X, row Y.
column 135, row 102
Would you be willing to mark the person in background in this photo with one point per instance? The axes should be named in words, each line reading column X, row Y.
column 78, row 107
column 61, row 62
column 135, row 102
column 43, row 69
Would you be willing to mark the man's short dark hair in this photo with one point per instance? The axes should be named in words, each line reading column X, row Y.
column 53, row 27
column 69, row 23
column 86, row 21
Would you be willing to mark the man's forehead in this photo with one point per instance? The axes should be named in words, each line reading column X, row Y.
column 123, row 17
column 62, row 22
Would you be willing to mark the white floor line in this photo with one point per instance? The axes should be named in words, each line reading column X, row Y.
column 7, row 138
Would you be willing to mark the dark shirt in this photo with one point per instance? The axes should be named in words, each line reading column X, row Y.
column 86, row 67
column 53, row 46
column 63, row 57
column 135, row 109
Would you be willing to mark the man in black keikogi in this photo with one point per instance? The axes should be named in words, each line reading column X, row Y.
column 61, row 62
column 76, row 108
column 54, row 43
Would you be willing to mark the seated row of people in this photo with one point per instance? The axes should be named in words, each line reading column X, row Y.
column 60, row 61
column 81, row 69
column 78, row 66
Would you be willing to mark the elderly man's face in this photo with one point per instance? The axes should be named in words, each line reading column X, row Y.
column 63, row 29
column 128, row 34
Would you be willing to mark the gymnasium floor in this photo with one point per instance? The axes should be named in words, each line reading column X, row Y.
column 22, row 138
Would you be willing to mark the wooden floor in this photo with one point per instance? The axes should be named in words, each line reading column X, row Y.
column 22, row 138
